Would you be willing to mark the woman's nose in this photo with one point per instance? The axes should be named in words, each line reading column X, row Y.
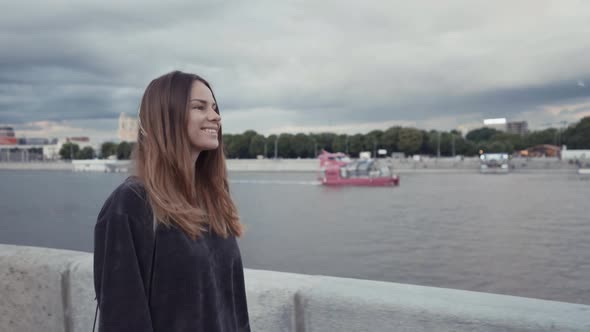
column 214, row 116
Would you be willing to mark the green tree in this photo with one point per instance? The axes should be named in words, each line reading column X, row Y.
column 482, row 134
column 390, row 138
column 124, row 150
column 108, row 149
column 270, row 146
column 547, row 136
column 339, row 143
column 355, row 144
column 372, row 141
column 86, row 153
column 227, row 140
column 495, row 147
column 410, row 140
column 239, row 146
column 302, row 146
column 247, row 137
column 257, row 143
column 464, row 147
column 430, row 143
column 578, row 136
column 470, row 149
column 325, row 141
column 517, row 142
column 69, row 151
column 285, row 146
column 446, row 141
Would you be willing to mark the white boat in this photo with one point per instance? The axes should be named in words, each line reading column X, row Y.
column 101, row 165
column 495, row 163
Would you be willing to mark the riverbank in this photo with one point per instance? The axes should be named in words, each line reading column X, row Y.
column 467, row 165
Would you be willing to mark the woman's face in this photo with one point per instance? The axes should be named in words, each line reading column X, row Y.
column 203, row 120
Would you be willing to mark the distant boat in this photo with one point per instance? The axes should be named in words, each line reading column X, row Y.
column 494, row 163
column 101, row 165
column 582, row 167
column 336, row 169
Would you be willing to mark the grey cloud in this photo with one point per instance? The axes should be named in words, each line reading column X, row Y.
column 329, row 62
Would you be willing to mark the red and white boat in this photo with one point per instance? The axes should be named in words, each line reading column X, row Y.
column 336, row 169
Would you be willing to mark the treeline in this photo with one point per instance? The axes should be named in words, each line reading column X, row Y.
column 409, row 141
column 121, row 150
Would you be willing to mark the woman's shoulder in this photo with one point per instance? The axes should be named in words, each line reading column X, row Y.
column 129, row 198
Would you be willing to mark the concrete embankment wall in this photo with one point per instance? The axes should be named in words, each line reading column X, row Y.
column 311, row 165
column 37, row 166
column 52, row 290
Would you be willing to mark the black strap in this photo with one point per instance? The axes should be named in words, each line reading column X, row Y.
column 95, row 315
column 151, row 275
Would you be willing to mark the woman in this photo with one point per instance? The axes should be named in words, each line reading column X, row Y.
column 165, row 256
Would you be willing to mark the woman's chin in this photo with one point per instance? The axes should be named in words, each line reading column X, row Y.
column 208, row 147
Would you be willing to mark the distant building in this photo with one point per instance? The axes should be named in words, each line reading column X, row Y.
column 33, row 141
column 51, row 152
column 7, row 131
column 575, row 154
column 80, row 140
column 498, row 124
column 7, row 136
column 501, row 124
column 542, row 151
column 517, row 128
column 128, row 128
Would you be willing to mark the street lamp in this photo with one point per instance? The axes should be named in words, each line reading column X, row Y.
column 265, row 142
column 346, row 144
column 276, row 146
column 315, row 150
column 375, row 149
column 438, row 146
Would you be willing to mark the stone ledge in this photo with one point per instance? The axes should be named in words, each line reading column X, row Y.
column 52, row 290
column 338, row 304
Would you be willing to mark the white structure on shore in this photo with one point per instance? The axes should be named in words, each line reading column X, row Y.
column 574, row 154
column 128, row 128
column 501, row 124
column 101, row 165
column 498, row 124
column 26, row 153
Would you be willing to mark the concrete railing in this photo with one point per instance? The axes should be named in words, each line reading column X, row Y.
column 52, row 290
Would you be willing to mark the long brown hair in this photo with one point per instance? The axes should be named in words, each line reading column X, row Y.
column 191, row 196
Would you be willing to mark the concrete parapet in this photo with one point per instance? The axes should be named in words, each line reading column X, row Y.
column 80, row 294
column 34, row 289
column 52, row 290
column 338, row 304
column 271, row 299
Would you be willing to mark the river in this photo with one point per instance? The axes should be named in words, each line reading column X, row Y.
column 524, row 234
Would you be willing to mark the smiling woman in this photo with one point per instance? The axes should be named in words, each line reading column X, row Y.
column 204, row 121
column 165, row 256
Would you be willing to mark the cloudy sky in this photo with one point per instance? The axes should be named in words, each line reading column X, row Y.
column 71, row 67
